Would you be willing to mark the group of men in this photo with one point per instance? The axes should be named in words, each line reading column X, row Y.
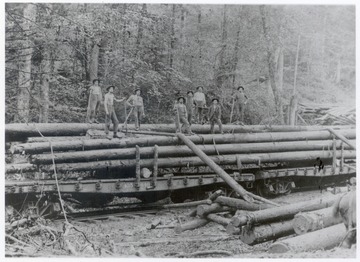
column 185, row 109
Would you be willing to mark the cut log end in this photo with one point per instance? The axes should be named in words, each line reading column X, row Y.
column 278, row 248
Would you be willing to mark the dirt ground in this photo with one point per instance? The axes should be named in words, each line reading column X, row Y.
column 132, row 236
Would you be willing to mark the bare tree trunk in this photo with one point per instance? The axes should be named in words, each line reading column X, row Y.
column 24, row 77
column 296, row 65
column 274, row 87
column 236, row 49
column 44, row 88
column 172, row 37
column 123, row 40
column 221, row 69
column 279, row 67
column 182, row 36
column 140, row 29
column 94, row 60
column 199, row 31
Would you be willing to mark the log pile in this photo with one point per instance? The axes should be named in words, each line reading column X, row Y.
column 238, row 149
column 308, row 225
column 327, row 114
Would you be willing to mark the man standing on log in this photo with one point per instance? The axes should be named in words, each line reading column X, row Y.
column 110, row 111
column 240, row 100
column 181, row 116
column 200, row 103
column 137, row 106
column 215, row 116
column 95, row 99
column 190, row 105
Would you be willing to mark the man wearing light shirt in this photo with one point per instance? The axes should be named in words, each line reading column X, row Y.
column 200, row 103
column 95, row 99
column 110, row 111
column 136, row 102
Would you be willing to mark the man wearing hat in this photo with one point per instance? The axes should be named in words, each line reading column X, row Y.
column 110, row 111
column 190, row 105
column 200, row 103
column 181, row 116
column 95, row 99
column 240, row 100
column 215, row 115
column 137, row 106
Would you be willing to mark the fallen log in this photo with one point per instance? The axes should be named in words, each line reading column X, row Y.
column 325, row 238
column 189, row 204
column 315, row 220
column 20, row 168
column 22, row 131
column 54, row 138
column 264, row 233
column 232, row 229
column 352, row 144
column 193, row 224
column 204, row 210
column 96, row 144
column 196, row 161
column 211, row 197
column 240, row 204
column 180, row 151
column 283, row 212
column 218, row 219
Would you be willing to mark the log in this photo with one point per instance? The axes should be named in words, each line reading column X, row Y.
column 96, row 144
column 240, row 204
column 283, row 212
column 180, row 151
column 325, row 238
column 193, row 224
column 204, row 210
column 19, row 168
column 315, row 220
column 54, row 138
column 218, row 219
column 232, row 229
column 211, row 197
column 196, row 161
column 352, row 144
column 20, row 132
column 189, row 204
column 217, row 169
column 264, row 233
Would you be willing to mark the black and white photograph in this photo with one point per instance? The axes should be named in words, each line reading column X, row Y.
column 202, row 129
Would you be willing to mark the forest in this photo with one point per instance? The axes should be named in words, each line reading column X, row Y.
column 53, row 51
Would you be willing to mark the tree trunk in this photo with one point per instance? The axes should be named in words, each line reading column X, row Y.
column 193, row 224
column 236, row 50
column 204, row 210
column 283, row 212
column 264, row 233
column 240, row 204
column 94, row 60
column 315, row 220
column 293, row 110
column 220, row 76
column 44, row 88
column 218, row 219
column 296, row 65
column 274, row 87
column 24, row 77
column 123, row 40
column 172, row 37
column 326, row 238
column 140, row 29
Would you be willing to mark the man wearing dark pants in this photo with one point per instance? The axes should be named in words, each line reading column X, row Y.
column 240, row 101
column 110, row 111
column 136, row 103
column 215, row 116
column 95, row 99
column 200, row 102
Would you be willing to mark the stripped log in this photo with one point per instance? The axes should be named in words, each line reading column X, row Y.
column 195, row 223
column 22, row 131
column 283, row 212
column 325, row 238
column 315, row 220
column 240, row 204
column 232, row 230
column 218, row 219
column 211, row 197
column 54, row 138
column 20, row 168
column 352, row 144
column 96, row 144
column 264, row 233
column 196, row 161
column 181, row 151
column 204, row 210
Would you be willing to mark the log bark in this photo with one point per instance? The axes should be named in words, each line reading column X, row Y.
column 189, row 204
column 240, row 204
column 218, row 219
column 217, row 169
column 283, row 212
column 22, row 131
column 196, row 161
column 19, row 168
column 326, row 238
column 264, row 233
column 193, row 224
column 315, row 220
column 204, row 210
column 181, row 151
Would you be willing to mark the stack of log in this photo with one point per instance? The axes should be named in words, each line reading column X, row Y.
column 84, row 154
column 328, row 114
column 310, row 224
